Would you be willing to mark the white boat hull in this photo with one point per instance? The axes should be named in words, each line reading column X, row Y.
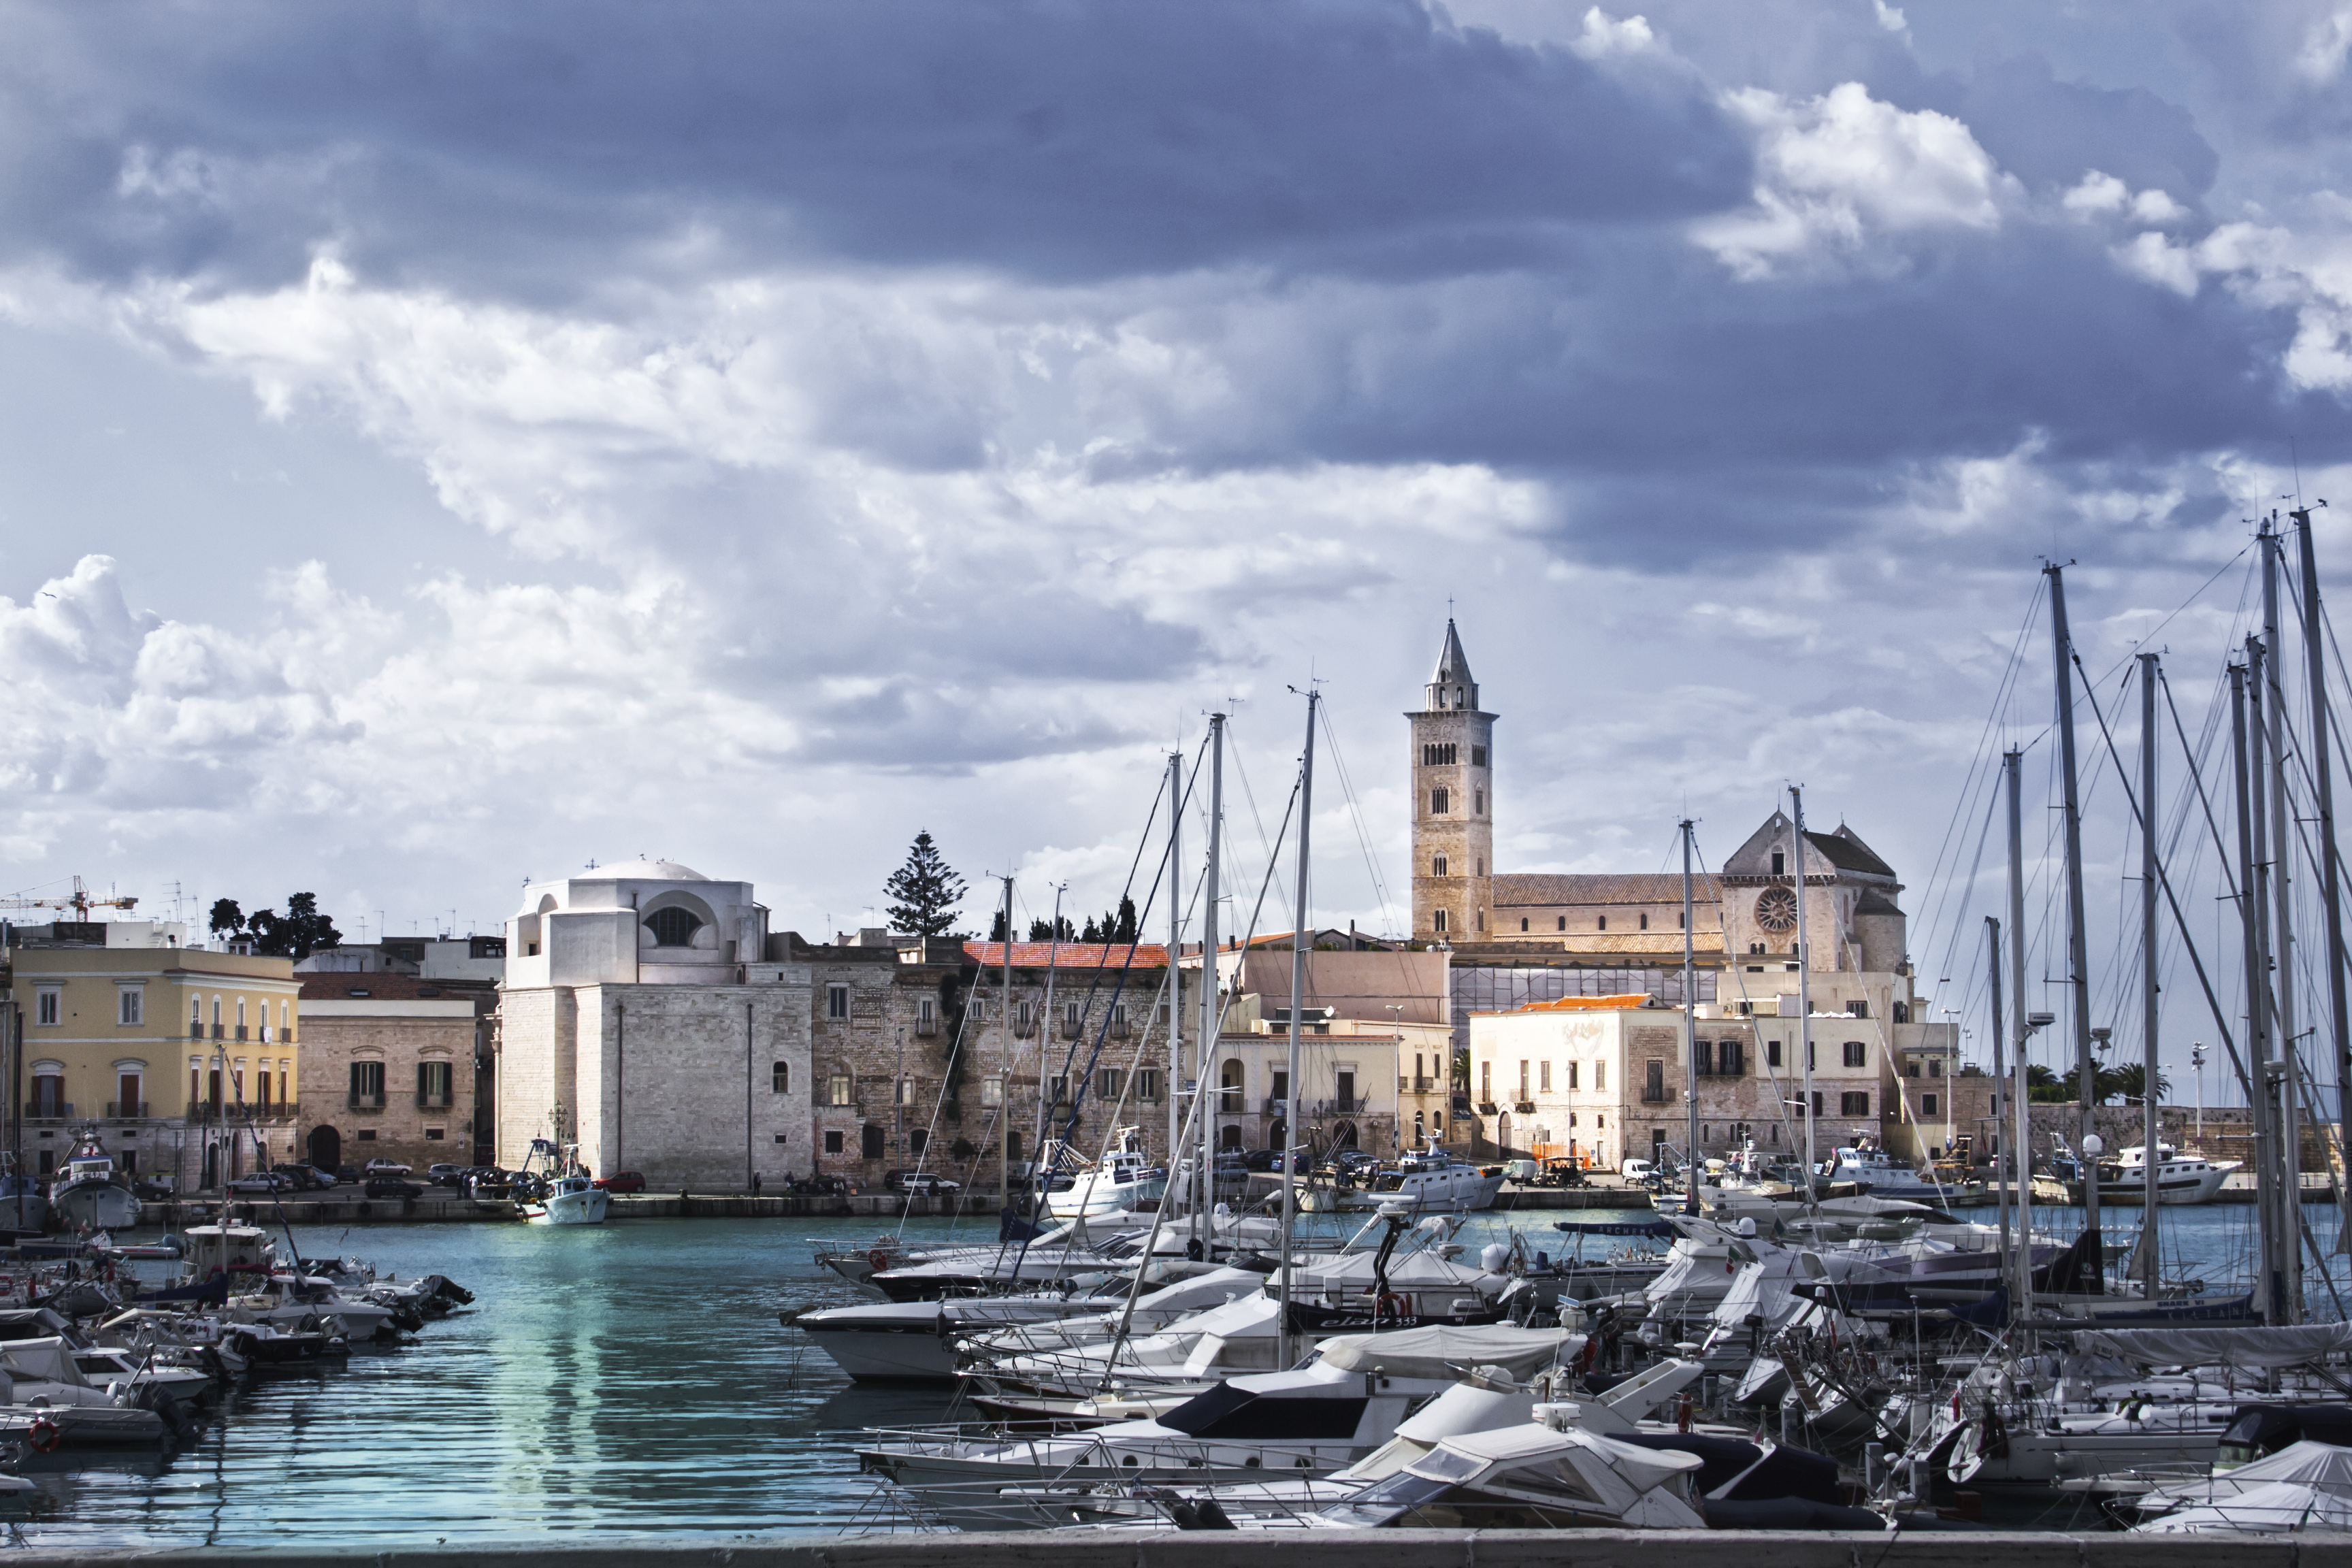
column 1091, row 1196
column 100, row 1206
column 570, row 1208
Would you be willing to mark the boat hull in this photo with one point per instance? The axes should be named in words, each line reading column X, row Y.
column 100, row 1206
column 571, row 1208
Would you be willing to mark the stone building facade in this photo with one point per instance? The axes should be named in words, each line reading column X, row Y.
column 393, row 1065
column 1453, row 803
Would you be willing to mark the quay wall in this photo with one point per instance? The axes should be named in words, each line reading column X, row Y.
column 1299, row 1548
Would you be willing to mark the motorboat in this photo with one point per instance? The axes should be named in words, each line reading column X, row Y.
column 1308, row 1421
column 1431, row 1180
column 569, row 1200
column 1868, row 1165
column 1122, row 1181
column 922, row 1342
column 2180, row 1178
column 23, row 1207
column 92, row 1194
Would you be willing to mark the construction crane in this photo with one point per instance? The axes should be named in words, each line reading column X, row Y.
column 81, row 903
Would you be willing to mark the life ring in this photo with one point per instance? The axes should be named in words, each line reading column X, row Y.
column 1391, row 1306
column 45, row 1435
column 879, row 1259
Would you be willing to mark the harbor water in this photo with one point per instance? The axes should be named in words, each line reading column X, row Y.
column 629, row 1379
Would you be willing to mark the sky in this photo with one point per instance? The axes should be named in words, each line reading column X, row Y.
column 445, row 445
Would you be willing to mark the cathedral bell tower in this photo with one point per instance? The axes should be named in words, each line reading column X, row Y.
column 1453, row 804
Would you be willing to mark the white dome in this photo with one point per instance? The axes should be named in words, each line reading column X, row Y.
column 642, row 870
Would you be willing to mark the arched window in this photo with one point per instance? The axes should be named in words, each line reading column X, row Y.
column 1437, row 865
column 780, row 1078
column 1523, row 922
column 196, row 1017
column 1564, row 922
column 673, row 926
column 1437, row 921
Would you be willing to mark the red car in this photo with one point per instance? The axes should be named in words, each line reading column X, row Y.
column 623, row 1182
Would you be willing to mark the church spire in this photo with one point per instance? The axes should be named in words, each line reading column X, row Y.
column 1452, row 686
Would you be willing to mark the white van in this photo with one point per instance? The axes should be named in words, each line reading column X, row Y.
column 1637, row 1170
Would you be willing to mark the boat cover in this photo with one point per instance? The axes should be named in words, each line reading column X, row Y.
column 2308, row 1463
column 1615, row 1228
column 1448, row 1351
column 2282, row 1346
column 2271, row 1509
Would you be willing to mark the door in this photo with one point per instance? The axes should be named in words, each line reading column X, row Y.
column 326, row 1148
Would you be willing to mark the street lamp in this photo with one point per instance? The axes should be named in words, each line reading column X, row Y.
column 2197, row 1065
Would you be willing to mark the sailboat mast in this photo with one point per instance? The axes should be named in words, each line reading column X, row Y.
column 1041, row 1180
column 2078, row 964
column 1004, row 1064
column 2271, row 1288
column 1993, row 968
column 2322, row 779
column 1299, row 947
column 2283, row 935
column 2020, row 1138
column 1690, row 1026
column 1175, row 1080
column 1205, row 1050
column 2150, row 1164
column 1804, row 984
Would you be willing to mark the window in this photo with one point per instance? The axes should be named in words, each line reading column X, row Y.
column 832, row 1142
column 1523, row 922
column 1119, row 1020
column 1813, row 1061
column 1857, row 1054
column 1108, row 1083
column 837, row 1089
column 927, row 1015
column 49, row 1096
column 1146, row 1083
column 1440, row 754
column 129, row 1087
column 779, row 1137
column 1025, row 1019
column 49, row 1007
column 1523, row 1077
column 1927, row 1107
column 1678, row 919
column 1440, row 802
column 672, row 928
column 780, row 1078
column 1485, row 1082
column 1855, row 1103
column 902, row 1091
column 1071, row 1020
column 1934, row 1066
column 195, row 1019
column 261, row 1086
column 991, row 1091
column 1477, row 802
column 1344, row 1090
column 919, row 1140
column 873, row 1140
column 1564, row 922
column 283, row 1080
column 1645, row 921
column 1780, row 864
column 1653, row 1084
column 1772, row 1053
column 1727, row 1058
column 836, row 1002
column 1599, row 1075
column 1437, row 919
column 367, row 1086
column 1600, row 923
column 1857, row 1009
column 1571, row 1074
column 433, row 1085
column 1477, row 756
column 132, row 1004
column 1543, row 1077
column 240, row 1018
column 1703, row 1058
column 1437, row 865
column 1911, row 1070
column 435, row 1134
column 1817, row 1102
column 1478, row 866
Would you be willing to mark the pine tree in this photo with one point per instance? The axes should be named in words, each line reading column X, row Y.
column 926, row 892
column 227, row 919
column 1126, row 929
column 996, row 931
column 1092, row 931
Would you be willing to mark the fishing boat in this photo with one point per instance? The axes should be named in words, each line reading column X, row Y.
column 1122, row 1181
column 93, row 1194
column 2180, row 1178
column 562, row 1193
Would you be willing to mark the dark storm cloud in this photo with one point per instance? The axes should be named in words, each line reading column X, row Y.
column 463, row 144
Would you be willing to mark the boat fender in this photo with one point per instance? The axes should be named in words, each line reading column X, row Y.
column 45, row 1435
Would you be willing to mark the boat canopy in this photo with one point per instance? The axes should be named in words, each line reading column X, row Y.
column 1446, row 1351
column 2287, row 1346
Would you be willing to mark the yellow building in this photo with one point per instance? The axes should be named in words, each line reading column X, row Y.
column 183, row 1058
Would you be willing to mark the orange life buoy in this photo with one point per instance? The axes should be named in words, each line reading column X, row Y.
column 879, row 1259
column 1391, row 1306
column 45, row 1435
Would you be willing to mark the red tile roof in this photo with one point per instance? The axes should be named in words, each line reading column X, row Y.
column 1071, row 955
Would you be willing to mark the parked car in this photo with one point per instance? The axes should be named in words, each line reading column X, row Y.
column 151, row 1189
column 1346, row 1164
column 349, row 1174
column 488, row 1182
column 823, row 1186
column 445, row 1176
column 623, row 1182
column 1263, row 1160
column 927, row 1185
column 1637, row 1170
column 300, row 1178
column 386, row 1168
column 262, row 1182
column 393, row 1188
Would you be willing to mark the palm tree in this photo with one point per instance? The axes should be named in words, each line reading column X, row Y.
column 2126, row 1081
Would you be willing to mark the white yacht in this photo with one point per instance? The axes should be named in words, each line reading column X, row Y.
column 1870, row 1166
column 2179, row 1178
column 570, row 1200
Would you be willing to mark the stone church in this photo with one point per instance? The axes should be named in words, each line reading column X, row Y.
column 1615, row 919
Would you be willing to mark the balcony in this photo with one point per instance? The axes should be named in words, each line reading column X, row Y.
column 1524, row 1107
column 1231, row 1102
column 1488, row 1107
column 1276, row 1106
column 126, row 1110
column 433, row 1101
column 363, row 1102
column 39, row 1109
column 1653, row 1094
column 926, row 1023
column 240, row 1033
column 204, row 1109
